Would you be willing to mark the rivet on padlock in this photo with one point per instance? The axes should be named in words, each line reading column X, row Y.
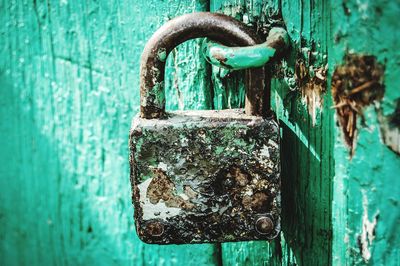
column 203, row 176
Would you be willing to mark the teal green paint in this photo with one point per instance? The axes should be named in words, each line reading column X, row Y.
column 235, row 58
column 368, row 184
column 162, row 55
column 69, row 87
column 307, row 160
column 158, row 93
column 331, row 195
column 202, row 136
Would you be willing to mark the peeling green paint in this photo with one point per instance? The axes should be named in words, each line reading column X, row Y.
column 162, row 55
column 356, row 84
column 69, row 88
column 307, row 161
column 368, row 184
column 237, row 58
column 205, row 176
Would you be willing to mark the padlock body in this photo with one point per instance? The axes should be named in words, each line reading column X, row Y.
column 205, row 176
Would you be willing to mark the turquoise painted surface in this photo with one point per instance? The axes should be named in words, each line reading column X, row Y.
column 338, row 211
column 69, row 86
column 367, row 188
column 307, row 146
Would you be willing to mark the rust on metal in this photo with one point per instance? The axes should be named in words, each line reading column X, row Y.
column 216, row 27
column 203, row 176
column 154, row 229
column 161, row 188
column 264, row 225
column 206, row 176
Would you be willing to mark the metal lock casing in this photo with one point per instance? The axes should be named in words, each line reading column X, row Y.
column 203, row 176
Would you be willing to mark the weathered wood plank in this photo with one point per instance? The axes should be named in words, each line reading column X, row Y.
column 366, row 214
column 69, row 88
column 68, row 79
column 307, row 143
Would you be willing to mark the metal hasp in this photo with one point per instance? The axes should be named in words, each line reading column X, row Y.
column 235, row 58
column 203, row 176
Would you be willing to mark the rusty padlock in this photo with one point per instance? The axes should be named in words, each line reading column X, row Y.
column 203, row 176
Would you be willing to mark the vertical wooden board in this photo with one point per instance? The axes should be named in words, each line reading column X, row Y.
column 307, row 141
column 69, row 88
column 229, row 93
column 367, row 186
column 308, row 119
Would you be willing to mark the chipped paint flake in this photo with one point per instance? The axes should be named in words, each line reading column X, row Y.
column 356, row 84
column 155, row 211
column 162, row 166
column 264, row 151
column 367, row 235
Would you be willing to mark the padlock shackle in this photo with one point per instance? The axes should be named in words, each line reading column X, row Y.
column 217, row 27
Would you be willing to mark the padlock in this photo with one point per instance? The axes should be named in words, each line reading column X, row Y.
column 203, row 176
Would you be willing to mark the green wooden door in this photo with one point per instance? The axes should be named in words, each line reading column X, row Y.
column 69, row 88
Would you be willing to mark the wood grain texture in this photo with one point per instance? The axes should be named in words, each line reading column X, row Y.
column 307, row 145
column 366, row 214
column 336, row 210
column 69, row 88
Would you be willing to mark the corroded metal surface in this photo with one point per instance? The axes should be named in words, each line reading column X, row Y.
column 205, row 176
column 217, row 27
